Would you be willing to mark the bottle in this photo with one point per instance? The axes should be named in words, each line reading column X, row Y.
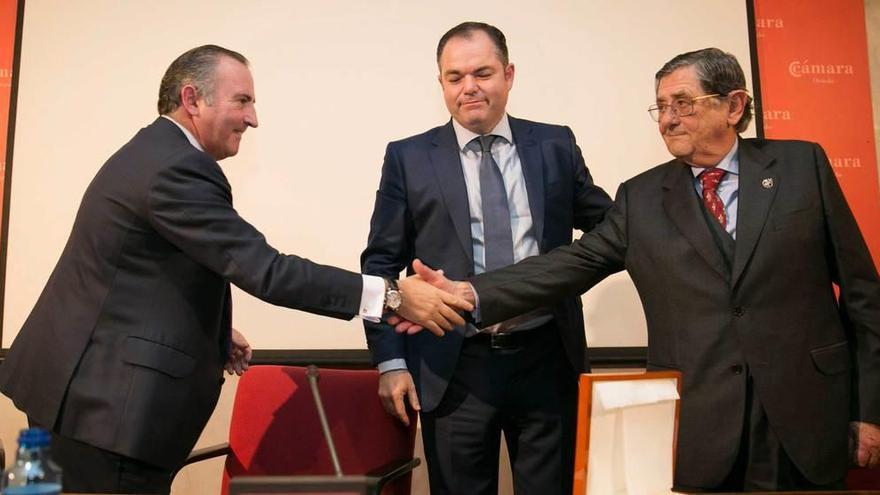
column 33, row 473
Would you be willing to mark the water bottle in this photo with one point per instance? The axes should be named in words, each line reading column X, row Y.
column 33, row 473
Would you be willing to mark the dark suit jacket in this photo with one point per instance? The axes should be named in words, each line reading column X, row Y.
column 774, row 312
column 422, row 211
column 130, row 332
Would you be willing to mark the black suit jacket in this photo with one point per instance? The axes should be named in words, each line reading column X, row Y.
column 421, row 211
column 774, row 313
column 130, row 333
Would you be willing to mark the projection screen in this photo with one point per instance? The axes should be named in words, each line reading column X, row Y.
column 335, row 81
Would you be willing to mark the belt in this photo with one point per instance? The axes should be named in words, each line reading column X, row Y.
column 508, row 341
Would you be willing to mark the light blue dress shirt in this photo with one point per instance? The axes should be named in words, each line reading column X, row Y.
column 504, row 152
column 525, row 243
column 728, row 188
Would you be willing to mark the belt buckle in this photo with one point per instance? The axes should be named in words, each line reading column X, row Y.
column 502, row 342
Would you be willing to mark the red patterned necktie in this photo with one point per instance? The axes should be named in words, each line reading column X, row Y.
column 710, row 178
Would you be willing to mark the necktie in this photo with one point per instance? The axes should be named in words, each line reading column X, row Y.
column 710, row 178
column 497, row 236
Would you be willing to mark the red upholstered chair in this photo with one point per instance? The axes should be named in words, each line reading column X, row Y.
column 275, row 428
column 863, row 479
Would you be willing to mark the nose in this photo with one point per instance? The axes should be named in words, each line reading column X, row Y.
column 668, row 118
column 470, row 84
column 250, row 118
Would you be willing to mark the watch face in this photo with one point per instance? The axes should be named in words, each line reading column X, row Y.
column 393, row 300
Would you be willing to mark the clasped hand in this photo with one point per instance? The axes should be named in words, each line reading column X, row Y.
column 430, row 300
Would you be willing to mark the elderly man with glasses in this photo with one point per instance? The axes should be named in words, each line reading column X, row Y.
column 735, row 246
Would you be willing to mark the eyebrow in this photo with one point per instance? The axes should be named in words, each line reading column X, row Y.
column 456, row 72
column 679, row 94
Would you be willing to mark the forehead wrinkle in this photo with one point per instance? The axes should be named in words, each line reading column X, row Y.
column 680, row 93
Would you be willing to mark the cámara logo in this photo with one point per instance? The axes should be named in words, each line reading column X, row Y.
column 800, row 68
column 769, row 23
column 777, row 114
column 846, row 162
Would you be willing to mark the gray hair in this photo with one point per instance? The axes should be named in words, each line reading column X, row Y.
column 718, row 72
column 196, row 67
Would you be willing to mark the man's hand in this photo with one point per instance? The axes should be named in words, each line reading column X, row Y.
column 393, row 387
column 462, row 290
column 430, row 307
column 865, row 444
column 240, row 355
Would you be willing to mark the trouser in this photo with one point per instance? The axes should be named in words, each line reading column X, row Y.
column 525, row 389
column 762, row 464
column 88, row 469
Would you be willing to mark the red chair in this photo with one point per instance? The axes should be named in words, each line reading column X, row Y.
column 863, row 479
column 275, row 429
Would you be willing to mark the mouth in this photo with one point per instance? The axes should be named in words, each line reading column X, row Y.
column 472, row 103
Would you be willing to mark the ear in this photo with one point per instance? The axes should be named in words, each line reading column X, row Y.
column 189, row 98
column 509, row 72
column 736, row 105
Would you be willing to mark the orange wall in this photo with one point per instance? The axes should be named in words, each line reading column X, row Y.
column 7, row 41
column 815, row 85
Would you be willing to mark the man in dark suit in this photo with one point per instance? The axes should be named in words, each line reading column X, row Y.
column 468, row 206
column 122, row 356
column 734, row 247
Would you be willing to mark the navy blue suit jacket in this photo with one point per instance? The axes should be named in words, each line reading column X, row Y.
column 422, row 211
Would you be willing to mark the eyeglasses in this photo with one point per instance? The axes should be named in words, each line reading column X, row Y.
column 681, row 107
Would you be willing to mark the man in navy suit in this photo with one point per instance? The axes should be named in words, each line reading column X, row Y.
column 481, row 192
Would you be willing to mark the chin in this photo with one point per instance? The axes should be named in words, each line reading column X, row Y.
column 678, row 151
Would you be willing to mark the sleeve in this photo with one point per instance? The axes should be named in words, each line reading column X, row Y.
column 566, row 271
column 590, row 201
column 190, row 204
column 856, row 276
column 389, row 250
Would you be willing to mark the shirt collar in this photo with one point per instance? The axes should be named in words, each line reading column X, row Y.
column 465, row 136
column 730, row 162
column 189, row 136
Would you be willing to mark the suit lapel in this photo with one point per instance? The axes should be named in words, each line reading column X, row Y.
column 533, row 171
column 446, row 162
column 682, row 206
column 757, row 189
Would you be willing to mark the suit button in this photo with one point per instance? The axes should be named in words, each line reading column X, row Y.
column 736, row 369
column 738, row 311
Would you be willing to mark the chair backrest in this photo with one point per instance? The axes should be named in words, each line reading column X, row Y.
column 275, row 428
column 863, row 479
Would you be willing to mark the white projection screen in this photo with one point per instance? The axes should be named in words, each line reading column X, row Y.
column 335, row 81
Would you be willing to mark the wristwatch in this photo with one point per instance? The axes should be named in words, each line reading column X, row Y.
column 393, row 296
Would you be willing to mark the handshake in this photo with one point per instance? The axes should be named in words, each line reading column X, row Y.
column 423, row 306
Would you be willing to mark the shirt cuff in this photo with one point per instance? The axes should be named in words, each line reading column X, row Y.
column 372, row 298
column 391, row 365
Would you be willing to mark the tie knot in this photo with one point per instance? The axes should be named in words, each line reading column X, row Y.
column 484, row 143
column 710, row 178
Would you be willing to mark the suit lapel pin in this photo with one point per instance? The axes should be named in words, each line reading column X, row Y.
column 767, row 183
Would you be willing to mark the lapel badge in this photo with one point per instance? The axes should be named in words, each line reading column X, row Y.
column 767, row 183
